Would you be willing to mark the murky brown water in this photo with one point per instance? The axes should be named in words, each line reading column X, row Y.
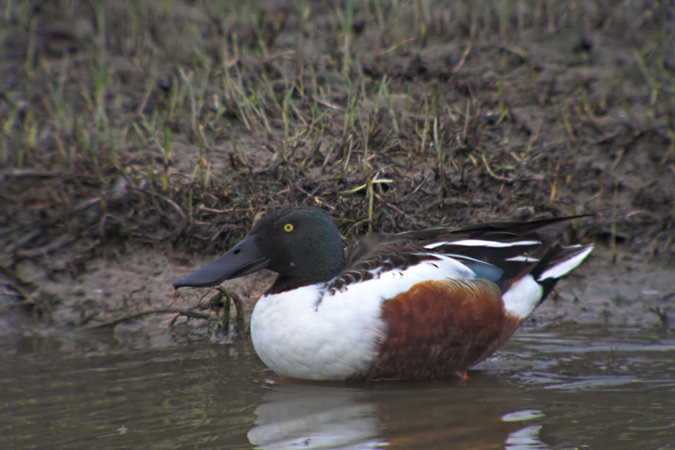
column 567, row 388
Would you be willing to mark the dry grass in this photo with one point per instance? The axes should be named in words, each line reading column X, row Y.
column 176, row 121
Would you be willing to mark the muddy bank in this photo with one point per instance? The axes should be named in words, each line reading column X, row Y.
column 135, row 139
column 633, row 292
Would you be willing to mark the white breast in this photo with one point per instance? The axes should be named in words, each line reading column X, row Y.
column 309, row 333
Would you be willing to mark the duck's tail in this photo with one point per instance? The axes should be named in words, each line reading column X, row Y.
column 526, row 293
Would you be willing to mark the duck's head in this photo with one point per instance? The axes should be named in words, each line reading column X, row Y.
column 301, row 244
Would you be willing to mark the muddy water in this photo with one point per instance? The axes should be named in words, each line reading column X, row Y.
column 564, row 388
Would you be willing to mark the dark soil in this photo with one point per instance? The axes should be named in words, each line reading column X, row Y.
column 140, row 141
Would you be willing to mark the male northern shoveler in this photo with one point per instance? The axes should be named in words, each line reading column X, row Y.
column 417, row 304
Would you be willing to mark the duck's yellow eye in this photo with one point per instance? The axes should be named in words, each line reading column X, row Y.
column 288, row 227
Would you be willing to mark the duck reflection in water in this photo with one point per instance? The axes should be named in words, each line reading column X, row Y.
column 430, row 415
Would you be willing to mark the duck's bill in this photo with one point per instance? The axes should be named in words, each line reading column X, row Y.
column 242, row 259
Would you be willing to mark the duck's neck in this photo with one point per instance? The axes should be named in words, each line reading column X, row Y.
column 315, row 272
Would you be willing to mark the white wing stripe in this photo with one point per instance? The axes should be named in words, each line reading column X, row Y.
column 435, row 244
column 523, row 258
column 565, row 266
column 483, row 243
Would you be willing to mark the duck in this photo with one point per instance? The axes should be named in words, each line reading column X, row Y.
column 412, row 305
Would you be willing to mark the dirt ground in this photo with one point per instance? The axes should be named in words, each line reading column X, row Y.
column 139, row 140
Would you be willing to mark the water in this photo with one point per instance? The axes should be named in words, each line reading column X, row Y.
column 564, row 388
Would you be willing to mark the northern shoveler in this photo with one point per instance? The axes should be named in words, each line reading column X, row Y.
column 418, row 304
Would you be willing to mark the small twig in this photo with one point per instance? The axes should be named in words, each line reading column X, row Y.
column 173, row 204
column 28, row 173
column 113, row 323
column 492, row 174
column 661, row 314
column 26, row 298
column 328, row 104
column 19, row 285
column 239, row 305
column 460, row 63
